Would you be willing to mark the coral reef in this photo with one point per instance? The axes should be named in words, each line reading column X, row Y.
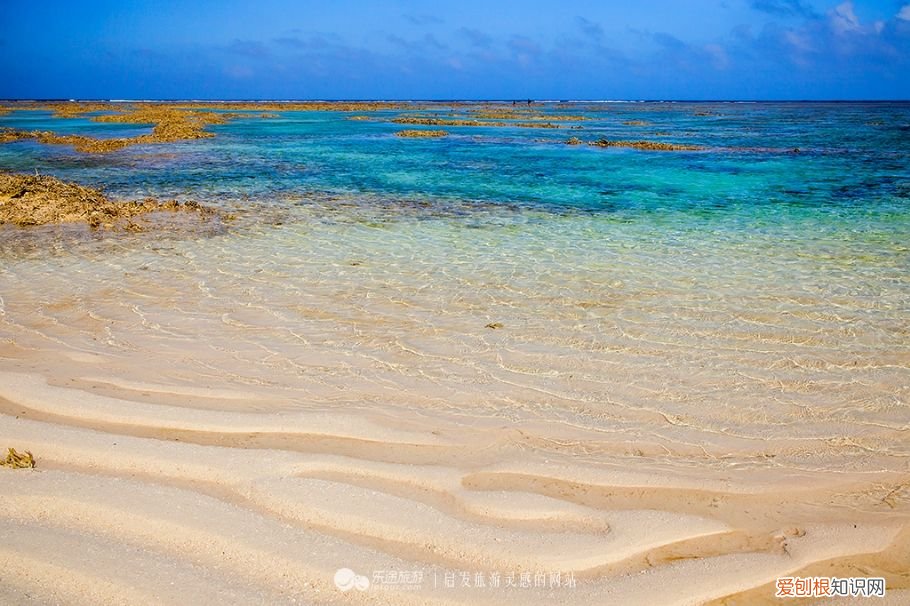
column 425, row 121
column 79, row 142
column 646, row 145
column 502, row 114
column 522, row 114
column 72, row 109
column 172, row 122
column 299, row 106
column 8, row 135
column 42, row 199
column 421, row 134
column 169, row 124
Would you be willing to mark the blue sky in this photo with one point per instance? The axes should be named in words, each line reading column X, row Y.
column 410, row 49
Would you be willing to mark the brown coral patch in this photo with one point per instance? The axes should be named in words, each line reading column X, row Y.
column 421, row 134
column 41, row 199
column 71, row 109
column 425, row 121
column 646, row 145
column 300, row 106
column 8, row 135
column 518, row 114
column 502, row 114
column 79, row 142
column 169, row 124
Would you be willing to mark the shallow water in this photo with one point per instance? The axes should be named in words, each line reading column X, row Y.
column 746, row 302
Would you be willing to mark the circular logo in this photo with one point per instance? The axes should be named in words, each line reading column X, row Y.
column 346, row 579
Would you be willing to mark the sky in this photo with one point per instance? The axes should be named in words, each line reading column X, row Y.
column 466, row 49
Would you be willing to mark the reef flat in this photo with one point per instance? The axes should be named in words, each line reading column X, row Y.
column 27, row 200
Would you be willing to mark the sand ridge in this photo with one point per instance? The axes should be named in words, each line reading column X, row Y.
column 282, row 516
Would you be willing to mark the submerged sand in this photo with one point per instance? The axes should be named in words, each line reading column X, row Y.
column 198, row 439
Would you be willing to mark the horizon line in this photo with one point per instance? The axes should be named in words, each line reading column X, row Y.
column 439, row 100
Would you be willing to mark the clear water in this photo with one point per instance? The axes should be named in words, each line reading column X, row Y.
column 744, row 299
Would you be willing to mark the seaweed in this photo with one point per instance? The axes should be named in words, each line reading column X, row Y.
column 14, row 460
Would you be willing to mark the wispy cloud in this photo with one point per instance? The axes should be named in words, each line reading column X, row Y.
column 843, row 18
column 427, row 43
column 783, row 7
column 423, row 19
column 669, row 42
column 315, row 41
column 525, row 51
column 476, row 37
column 249, row 48
column 589, row 28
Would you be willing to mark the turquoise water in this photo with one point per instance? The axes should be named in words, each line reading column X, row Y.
column 853, row 157
column 747, row 288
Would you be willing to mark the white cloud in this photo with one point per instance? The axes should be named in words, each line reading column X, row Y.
column 718, row 55
column 799, row 42
column 904, row 13
column 843, row 19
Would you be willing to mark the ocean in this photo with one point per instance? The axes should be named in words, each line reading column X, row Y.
column 754, row 291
